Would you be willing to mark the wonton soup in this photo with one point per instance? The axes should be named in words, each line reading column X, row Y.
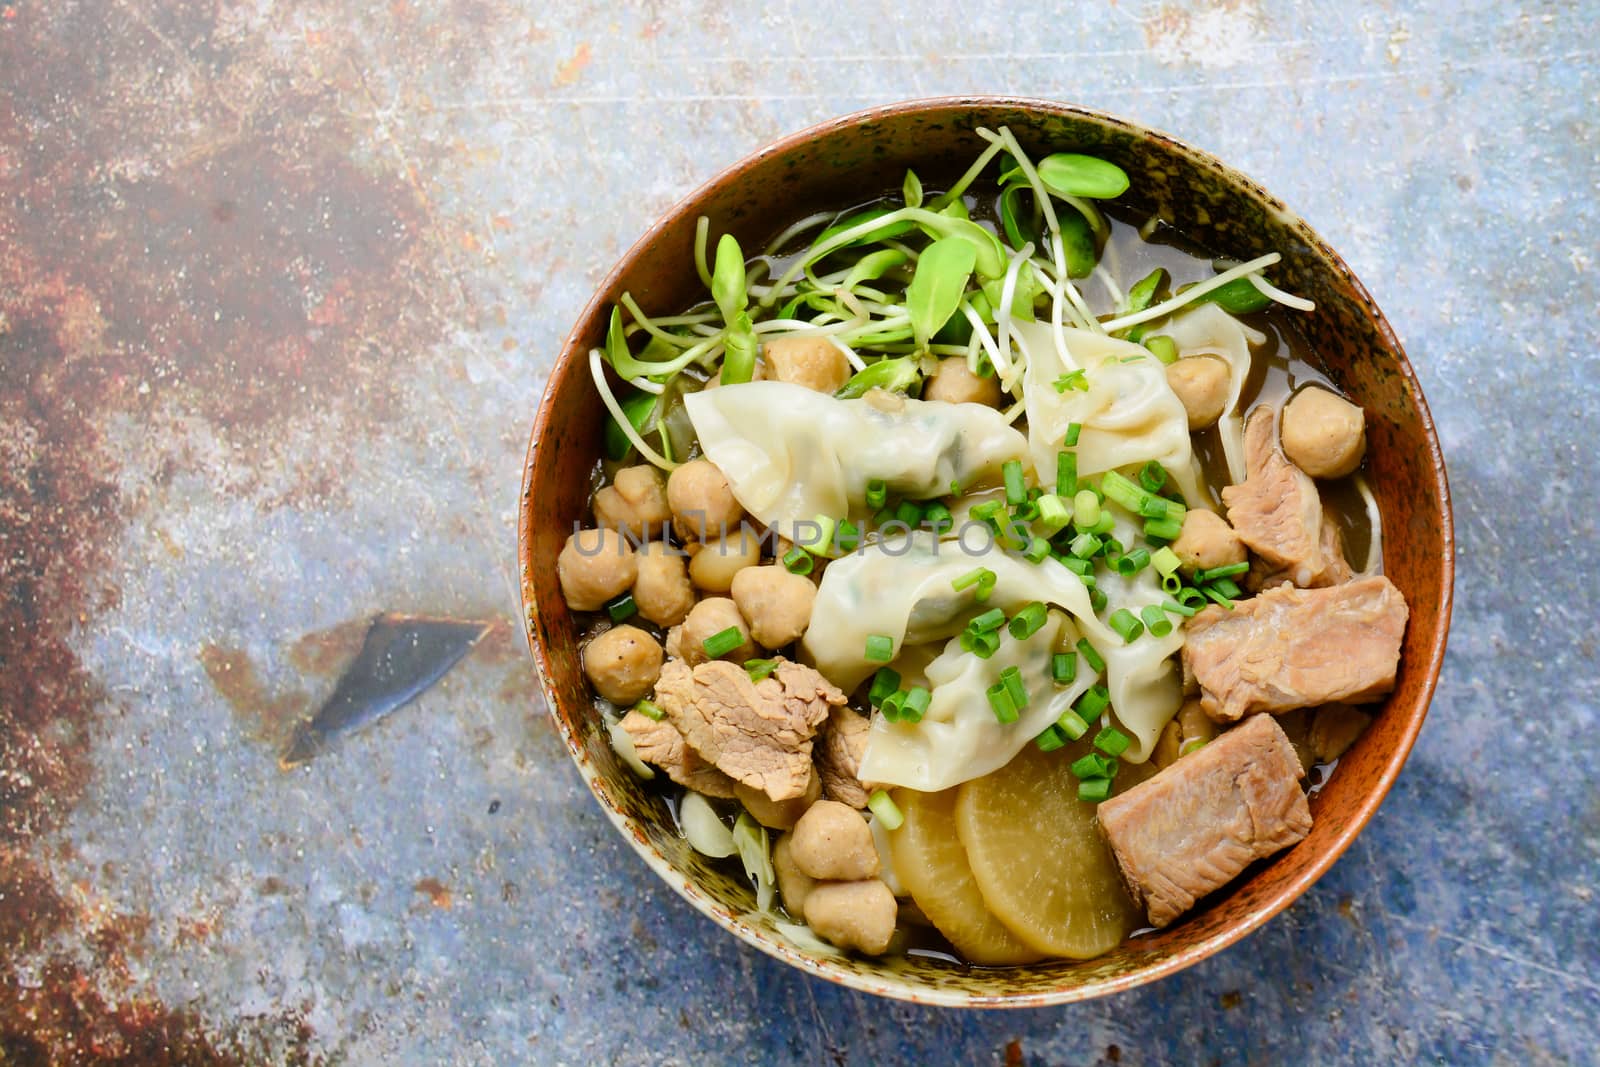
column 986, row 570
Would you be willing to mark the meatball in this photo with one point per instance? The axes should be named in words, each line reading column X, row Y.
column 635, row 501
column 702, row 502
column 1323, row 433
column 858, row 915
column 662, row 591
column 711, row 616
column 718, row 562
column 778, row 814
column 813, row 362
column 954, row 382
column 776, row 603
column 793, row 883
column 1201, row 382
column 833, row 843
column 622, row 664
column 595, row 566
column 1207, row 541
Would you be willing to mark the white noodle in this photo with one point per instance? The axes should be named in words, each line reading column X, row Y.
column 1272, row 292
column 1191, row 294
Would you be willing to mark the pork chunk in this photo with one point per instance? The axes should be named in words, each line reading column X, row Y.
column 1194, row 826
column 1276, row 510
column 1336, row 572
column 844, row 742
column 1293, row 648
column 661, row 744
column 758, row 733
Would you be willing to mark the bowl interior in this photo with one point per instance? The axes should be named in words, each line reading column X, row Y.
column 858, row 158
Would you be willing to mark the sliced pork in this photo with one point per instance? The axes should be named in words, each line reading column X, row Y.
column 660, row 744
column 1194, row 826
column 1276, row 510
column 1294, row 648
column 839, row 757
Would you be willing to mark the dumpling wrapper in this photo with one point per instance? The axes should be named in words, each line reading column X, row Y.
column 1209, row 330
column 791, row 454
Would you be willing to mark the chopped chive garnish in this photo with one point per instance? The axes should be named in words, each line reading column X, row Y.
column 1162, row 529
column 976, row 576
column 1098, row 600
column 1086, row 545
column 1066, row 473
column 722, row 642
column 1064, row 668
column 1077, row 379
column 1026, row 511
column 1005, row 709
column 884, row 683
column 1053, row 513
column 1037, row 550
column 1081, row 567
column 987, row 511
column 1216, row 597
column 915, row 704
column 622, row 608
column 892, row 704
column 1107, row 523
column 1171, row 583
column 824, row 536
column 1092, row 765
column 1228, row 571
column 1051, row 739
column 1228, row 588
column 1085, row 509
column 1123, row 621
column 1016, row 490
column 1152, row 476
column 1155, row 620
column 1027, row 622
column 1073, row 430
column 650, row 710
column 1178, row 609
column 1090, row 656
column 1093, row 703
column 983, row 645
column 877, row 493
column 1113, row 547
column 1165, row 561
column 846, row 536
column 937, row 517
column 1132, row 563
column 1162, row 347
column 990, row 620
column 758, row 669
column 1011, row 678
column 1071, row 725
column 797, row 561
column 1094, row 790
column 909, row 512
column 1190, row 597
column 880, row 648
column 1112, row 741
column 885, row 810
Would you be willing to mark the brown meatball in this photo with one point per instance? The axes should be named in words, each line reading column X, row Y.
column 809, row 361
column 703, row 504
column 1207, row 541
column 778, row 814
column 595, row 566
column 1201, row 382
column 662, row 591
column 1323, row 433
column 793, row 884
column 954, row 383
column 858, row 915
column 719, row 561
column 832, row 842
column 776, row 603
column 635, row 501
column 622, row 664
column 709, row 617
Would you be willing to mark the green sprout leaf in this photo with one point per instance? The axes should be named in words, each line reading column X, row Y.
column 1143, row 293
column 727, row 280
column 739, row 348
column 1077, row 243
column 873, row 266
column 1020, row 221
column 938, row 284
column 1238, row 297
column 911, row 189
column 639, row 407
column 883, row 233
column 896, row 375
column 1069, row 174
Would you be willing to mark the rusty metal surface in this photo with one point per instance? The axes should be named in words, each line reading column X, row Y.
column 279, row 284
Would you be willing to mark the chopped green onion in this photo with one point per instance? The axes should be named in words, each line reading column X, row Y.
column 1092, row 765
column 987, row 511
column 759, row 668
column 1071, row 725
column 1124, row 623
column 1098, row 599
column 1052, row 739
column 1162, row 529
column 1178, row 609
column 1037, row 550
column 1066, row 473
column 1026, row 511
column 1073, row 430
column 983, row 645
column 1027, row 622
column 1077, row 379
column 885, row 810
column 1216, row 597
column 1155, row 620
column 882, row 517
column 909, row 512
column 1171, row 583
column 915, row 704
column 824, row 536
column 1085, row 508
column 1081, row 567
column 884, row 683
column 797, row 561
column 937, row 517
column 1107, row 523
column 1094, row 790
column 989, row 621
column 1005, row 709
column 1227, row 587
column 1227, row 571
column 1093, row 703
column 1165, row 561
column 1016, row 490
column 846, row 536
column 622, row 608
column 1190, row 597
column 1086, row 546
column 1113, row 547
column 650, row 710
column 877, row 493
column 1132, row 563
column 1152, row 476
column 891, row 705
column 1090, row 656
column 1112, row 741
column 880, row 648
column 1064, row 668
column 722, row 642
column 1011, row 678
column 1162, row 347
column 1053, row 512
column 972, row 578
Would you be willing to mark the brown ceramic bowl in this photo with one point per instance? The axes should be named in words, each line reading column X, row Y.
column 852, row 159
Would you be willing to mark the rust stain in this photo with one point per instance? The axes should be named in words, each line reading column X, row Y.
column 1014, row 1053
column 570, row 69
column 1229, row 1000
column 266, row 716
column 437, row 892
column 325, row 653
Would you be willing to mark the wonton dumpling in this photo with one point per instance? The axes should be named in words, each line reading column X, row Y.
column 1129, row 415
column 1208, row 330
column 792, row 453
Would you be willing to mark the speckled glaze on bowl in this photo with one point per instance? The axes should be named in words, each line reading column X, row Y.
column 856, row 158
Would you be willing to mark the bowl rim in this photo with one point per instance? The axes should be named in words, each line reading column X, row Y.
column 1432, row 656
